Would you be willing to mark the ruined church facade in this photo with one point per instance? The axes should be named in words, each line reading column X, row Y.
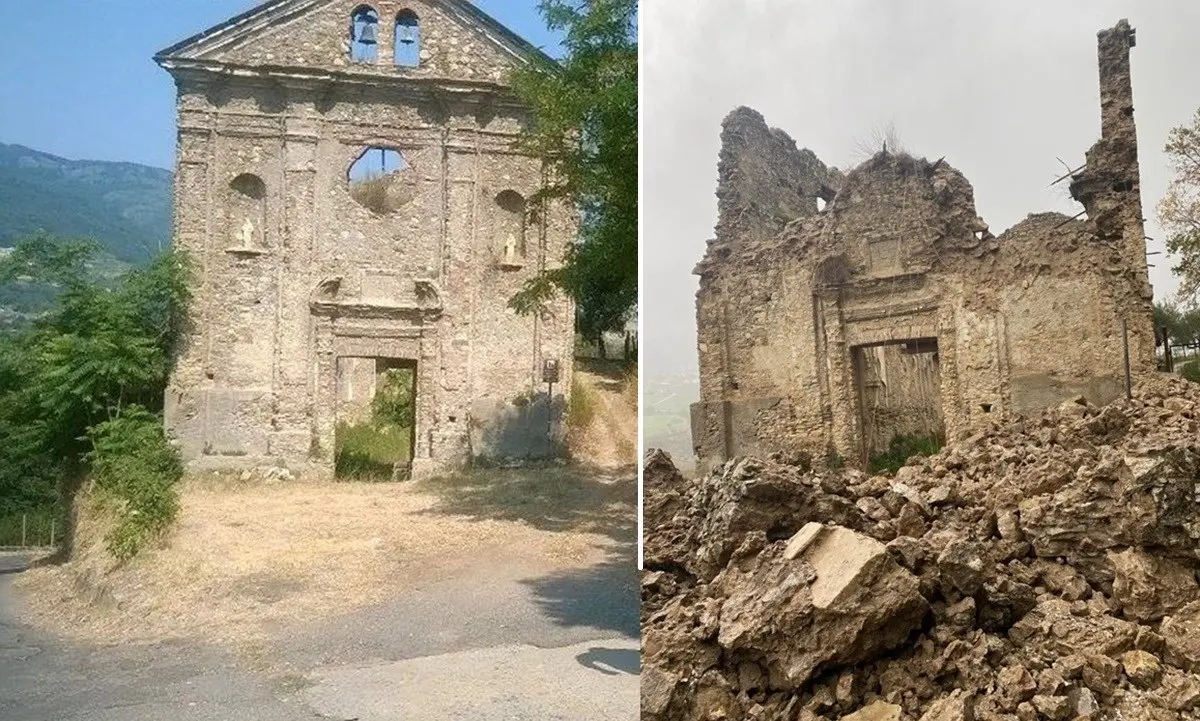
column 838, row 311
column 350, row 195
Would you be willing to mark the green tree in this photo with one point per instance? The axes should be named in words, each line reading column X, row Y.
column 1182, row 324
column 392, row 405
column 93, row 367
column 585, row 131
column 1167, row 315
column 1179, row 209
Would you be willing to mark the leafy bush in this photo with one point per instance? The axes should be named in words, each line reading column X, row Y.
column 38, row 527
column 136, row 470
column 393, row 401
column 103, row 347
column 1191, row 372
column 901, row 448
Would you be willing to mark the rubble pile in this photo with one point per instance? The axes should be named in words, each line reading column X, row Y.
column 1044, row 568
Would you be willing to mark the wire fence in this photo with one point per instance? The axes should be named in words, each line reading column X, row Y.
column 38, row 529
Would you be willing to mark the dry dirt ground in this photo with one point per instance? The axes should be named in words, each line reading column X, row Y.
column 609, row 439
column 336, row 592
column 250, row 556
column 247, row 558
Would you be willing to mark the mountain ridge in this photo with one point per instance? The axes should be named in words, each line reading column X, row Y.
column 126, row 207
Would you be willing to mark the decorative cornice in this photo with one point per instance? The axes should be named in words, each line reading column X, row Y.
column 363, row 309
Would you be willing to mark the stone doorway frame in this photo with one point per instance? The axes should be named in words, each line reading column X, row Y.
column 857, row 378
column 375, row 337
column 363, row 408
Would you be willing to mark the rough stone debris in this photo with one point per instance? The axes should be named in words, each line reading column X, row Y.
column 310, row 278
column 1080, row 604
column 894, row 310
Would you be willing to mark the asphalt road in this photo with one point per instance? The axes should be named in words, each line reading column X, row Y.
column 497, row 643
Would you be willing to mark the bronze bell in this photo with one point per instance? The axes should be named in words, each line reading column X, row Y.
column 407, row 36
column 369, row 34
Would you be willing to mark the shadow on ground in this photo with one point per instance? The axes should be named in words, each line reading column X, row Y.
column 611, row 661
column 557, row 499
column 603, row 596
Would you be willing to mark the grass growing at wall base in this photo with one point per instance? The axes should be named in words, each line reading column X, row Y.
column 581, row 408
column 367, row 452
column 135, row 471
column 901, row 448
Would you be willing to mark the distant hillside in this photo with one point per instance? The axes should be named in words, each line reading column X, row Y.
column 124, row 206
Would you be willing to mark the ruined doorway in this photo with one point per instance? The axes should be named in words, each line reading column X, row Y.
column 376, row 418
column 900, row 404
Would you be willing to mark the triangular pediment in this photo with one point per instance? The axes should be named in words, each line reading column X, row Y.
column 456, row 40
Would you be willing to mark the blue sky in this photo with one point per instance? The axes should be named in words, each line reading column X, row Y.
column 79, row 82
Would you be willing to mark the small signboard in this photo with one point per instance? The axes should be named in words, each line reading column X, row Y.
column 550, row 372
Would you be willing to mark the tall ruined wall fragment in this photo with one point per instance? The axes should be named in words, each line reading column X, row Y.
column 1110, row 186
column 798, row 307
column 765, row 183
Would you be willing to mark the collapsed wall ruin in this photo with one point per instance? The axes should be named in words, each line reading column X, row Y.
column 837, row 311
column 348, row 188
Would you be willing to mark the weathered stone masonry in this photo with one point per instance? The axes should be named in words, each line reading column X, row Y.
column 294, row 274
column 894, row 309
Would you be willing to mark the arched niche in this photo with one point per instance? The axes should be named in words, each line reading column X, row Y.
column 512, row 224
column 406, row 48
column 364, row 35
column 246, row 212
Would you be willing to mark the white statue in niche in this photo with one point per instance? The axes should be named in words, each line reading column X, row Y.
column 510, row 250
column 246, row 234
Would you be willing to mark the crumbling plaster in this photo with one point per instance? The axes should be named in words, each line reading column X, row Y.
column 274, row 95
column 1022, row 321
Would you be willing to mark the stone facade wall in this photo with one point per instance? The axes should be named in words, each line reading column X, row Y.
column 789, row 290
column 326, row 277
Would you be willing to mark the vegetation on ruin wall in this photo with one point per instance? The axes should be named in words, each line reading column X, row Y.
column 585, row 130
column 81, row 388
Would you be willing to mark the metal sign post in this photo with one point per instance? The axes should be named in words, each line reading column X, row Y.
column 550, row 376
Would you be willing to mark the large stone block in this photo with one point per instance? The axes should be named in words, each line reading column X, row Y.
column 1149, row 588
column 840, row 599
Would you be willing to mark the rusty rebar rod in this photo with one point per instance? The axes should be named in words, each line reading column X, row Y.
column 1128, row 375
column 1069, row 174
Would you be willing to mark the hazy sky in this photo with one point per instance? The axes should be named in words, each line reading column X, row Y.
column 1001, row 89
column 80, row 82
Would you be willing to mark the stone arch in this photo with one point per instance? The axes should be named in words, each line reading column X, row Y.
column 406, row 48
column 512, row 221
column 364, row 35
column 247, row 212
